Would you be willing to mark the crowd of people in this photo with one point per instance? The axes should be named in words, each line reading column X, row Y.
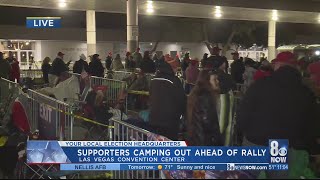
column 277, row 101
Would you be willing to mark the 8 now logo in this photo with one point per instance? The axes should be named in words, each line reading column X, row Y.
column 278, row 151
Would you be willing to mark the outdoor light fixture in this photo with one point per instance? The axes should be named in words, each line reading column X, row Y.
column 150, row 44
column 218, row 12
column 27, row 43
column 150, row 10
column 62, row 4
column 150, row 7
column 317, row 53
column 274, row 15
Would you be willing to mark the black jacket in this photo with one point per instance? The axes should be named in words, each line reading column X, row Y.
column 237, row 70
column 225, row 82
column 148, row 66
column 45, row 68
column 205, row 122
column 279, row 107
column 58, row 67
column 79, row 66
column 108, row 62
column 130, row 64
column 168, row 102
column 96, row 68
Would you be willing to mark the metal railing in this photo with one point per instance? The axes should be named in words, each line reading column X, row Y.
column 126, row 132
column 53, row 118
column 31, row 73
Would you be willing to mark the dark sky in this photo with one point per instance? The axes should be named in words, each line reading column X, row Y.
column 219, row 30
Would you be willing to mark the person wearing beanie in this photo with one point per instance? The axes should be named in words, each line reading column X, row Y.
column 280, row 107
column 147, row 65
column 226, row 82
column 117, row 63
column 81, row 65
column 95, row 66
column 109, row 61
column 168, row 101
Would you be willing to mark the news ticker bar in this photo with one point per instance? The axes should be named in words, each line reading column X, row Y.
column 172, row 167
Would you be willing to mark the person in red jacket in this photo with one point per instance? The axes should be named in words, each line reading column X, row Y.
column 265, row 70
column 15, row 71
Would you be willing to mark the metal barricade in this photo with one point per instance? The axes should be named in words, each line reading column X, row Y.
column 120, row 75
column 35, row 73
column 53, row 118
column 115, row 88
column 126, row 132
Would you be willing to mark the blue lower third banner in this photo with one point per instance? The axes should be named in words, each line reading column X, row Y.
column 173, row 167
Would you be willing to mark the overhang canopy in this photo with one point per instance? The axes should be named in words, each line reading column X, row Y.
column 180, row 8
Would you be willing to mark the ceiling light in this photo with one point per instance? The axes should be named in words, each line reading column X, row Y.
column 150, row 2
column 150, row 44
column 149, row 6
column 62, row 4
column 317, row 53
column 274, row 15
column 27, row 43
column 150, row 10
column 275, row 18
column 218, row 15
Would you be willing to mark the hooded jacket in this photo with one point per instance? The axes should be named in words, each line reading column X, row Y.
column 58, row 67
column 117, row 64
column 279, row 107
column 168, row 102
column 80, row 65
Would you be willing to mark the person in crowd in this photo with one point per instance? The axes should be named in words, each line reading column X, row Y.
column 225, row 80
column 5, row 67
column 11, row 58
column 173, row 62
column 192, row 71
column 202, row 117
column 314, row 72
column 109, row 61
column 147, row 65
column 140, row 83
column 137, row 57
column 117, row 63
column 279, row 107
column 249, row 72
column 95, row 66
column 204, row 59
column 185, row 63
column 81, row 65
column 129, row 63
column 237, row 68
column 58, row 67
column 168, row 102
column 45, row 68
column 15, row 71
column 265, row 70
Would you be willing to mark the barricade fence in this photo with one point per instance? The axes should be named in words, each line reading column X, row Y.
column 126, row 132
column 36, row 73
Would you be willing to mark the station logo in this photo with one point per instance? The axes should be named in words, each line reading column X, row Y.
column 278, row 151
column 43, row 22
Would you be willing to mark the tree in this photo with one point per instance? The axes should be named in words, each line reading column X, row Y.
column 241, row 33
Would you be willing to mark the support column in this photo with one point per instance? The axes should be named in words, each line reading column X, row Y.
column 91, row 32
column 272, row 40
column 132, row 25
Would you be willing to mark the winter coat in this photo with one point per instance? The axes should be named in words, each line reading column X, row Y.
column 204, row 122
column 279, row 107
column 79, row 66
column 192, row 74
column 168, row 102
column 130, row 64
column 15, row 71
column 117, row 65
column 96, row 68
column 5, row 69
column 148, row 66
column 137, row 58
column 108, row 62
column 260, row 74
column 58, row 67
column 225, row 82
column 45, row 68
column 237, row 70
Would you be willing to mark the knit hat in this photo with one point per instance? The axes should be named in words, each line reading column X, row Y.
column 83, row 57
column 286, row 58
